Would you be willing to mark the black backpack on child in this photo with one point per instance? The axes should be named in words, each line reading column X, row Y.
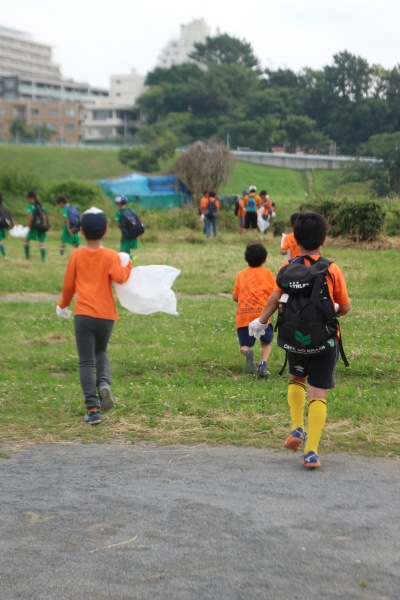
column 5, row 218
column 211, row 209
column 40, row 222
column 131, row 225
column 307, row 322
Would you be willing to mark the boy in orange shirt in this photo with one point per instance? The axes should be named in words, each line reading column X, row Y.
column 289, row 247
column 90, row 272
column 251, row 291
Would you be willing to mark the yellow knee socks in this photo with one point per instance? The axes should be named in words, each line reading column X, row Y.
column 316, row 422
column 296, row 400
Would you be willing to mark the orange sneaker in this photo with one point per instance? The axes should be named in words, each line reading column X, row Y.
column 295, row 439
column 311, row 460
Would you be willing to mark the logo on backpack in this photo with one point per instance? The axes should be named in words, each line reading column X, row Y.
column 211, row 210
column 5, row 218
column 74, row 219
column 307, row 322
column 131, row 225
column 251, row 204
column 40, row 222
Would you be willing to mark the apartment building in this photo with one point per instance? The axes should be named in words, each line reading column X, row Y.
column 62, row 119
column 21, row 55
column 177, row 51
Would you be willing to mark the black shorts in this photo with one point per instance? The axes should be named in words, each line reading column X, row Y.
column 245, row 339
column 320, row 369
column 250, row 220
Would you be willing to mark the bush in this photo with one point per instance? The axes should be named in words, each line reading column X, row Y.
column 15, row 183
column 278, row 227
column 83, row 195
column 392, row 222
column 361, row 219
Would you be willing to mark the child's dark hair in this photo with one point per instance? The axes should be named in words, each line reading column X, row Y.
column 94, row 225
column 293, row 218
column 62, row 199
column 212, row 194
column 31, row 195
column 310, row 230
column 255, row 255
column 263, row 193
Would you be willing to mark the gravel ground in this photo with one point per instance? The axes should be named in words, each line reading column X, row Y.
column 147, row 522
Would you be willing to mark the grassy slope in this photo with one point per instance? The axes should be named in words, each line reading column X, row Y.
column 50, row 165
column 53, row 164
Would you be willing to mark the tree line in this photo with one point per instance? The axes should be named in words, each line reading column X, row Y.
column 226, row 97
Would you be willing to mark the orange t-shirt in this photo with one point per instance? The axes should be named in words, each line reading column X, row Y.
column 203, row 204
column 336, row 286
column 242, row 210
column 253, row 287
column 289, row 243
column 89, row 275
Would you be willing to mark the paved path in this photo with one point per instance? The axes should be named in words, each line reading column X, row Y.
column 146, row 522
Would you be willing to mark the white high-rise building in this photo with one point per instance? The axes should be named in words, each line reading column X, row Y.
column 20, row 55
column 177, row 51
column 124, row 89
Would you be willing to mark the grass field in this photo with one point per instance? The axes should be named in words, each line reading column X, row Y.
column 182, row 379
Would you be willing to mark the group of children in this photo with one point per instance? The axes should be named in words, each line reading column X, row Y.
column 92, row 268
column 70, row 231
column 247, row 209
column 258, row 296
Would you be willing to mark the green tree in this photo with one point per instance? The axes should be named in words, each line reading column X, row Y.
column 225, row 50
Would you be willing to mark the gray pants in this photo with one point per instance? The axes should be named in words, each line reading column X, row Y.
column 92, row 337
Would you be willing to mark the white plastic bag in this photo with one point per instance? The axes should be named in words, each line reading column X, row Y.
column 148, row 290
column 19, row 231
column 262, row 223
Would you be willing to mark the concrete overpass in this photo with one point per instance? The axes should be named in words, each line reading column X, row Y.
column 307, row 162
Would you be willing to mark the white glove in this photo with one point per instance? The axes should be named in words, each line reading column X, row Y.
column 257, row 329
column 64, row 313
column 123, row 258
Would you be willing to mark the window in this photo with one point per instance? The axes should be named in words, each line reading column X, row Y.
column 53, row 112
column 35, row 111
column 19, row 112
column 2, row 112
column 69, row 112
column 100, row 115
column 69, row 127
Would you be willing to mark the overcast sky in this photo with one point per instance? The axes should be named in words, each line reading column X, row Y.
column 94, row 39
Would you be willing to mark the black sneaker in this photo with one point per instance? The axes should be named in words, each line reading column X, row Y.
column 92, row 418
column 262, row 370
column 106, row 399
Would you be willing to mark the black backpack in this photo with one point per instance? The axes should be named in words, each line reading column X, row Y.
column 307, row 322
column 236, row 210
column 211, row 209
column 5, row 218
column 40, row 222
column 74, row 219
column 131, row 225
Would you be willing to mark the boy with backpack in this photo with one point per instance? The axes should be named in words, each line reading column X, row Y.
column 70, row 232
column 210, row 214
column 6, row 222
column 252, row 204
column 310, row 334
column 130, row 225
column 38, row 223
column 90, row 272
column 252, row 289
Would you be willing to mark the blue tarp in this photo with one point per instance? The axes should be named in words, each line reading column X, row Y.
column 141, row 185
